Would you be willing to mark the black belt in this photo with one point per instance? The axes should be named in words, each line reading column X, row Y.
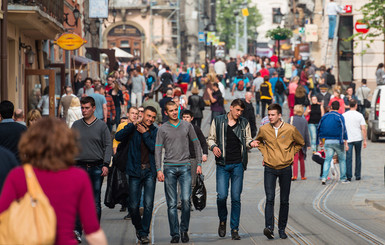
column 89, row 163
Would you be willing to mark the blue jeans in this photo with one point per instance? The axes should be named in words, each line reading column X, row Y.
column 279, row 98
column 173, row 175
column 313, row 135
column 339, row 149
column 349, row 159
column 94, row 172
column 332, row 25
column 148, row 182
column 225, row 174
column 270, row 182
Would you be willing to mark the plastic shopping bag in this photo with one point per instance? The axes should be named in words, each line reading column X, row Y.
column 199, row 194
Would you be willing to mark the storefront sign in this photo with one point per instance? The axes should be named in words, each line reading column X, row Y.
column 311, row 33
column 70, row 41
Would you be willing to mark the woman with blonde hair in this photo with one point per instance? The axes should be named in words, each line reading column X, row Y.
column 67, row 188
column 33, row 116
column 301, row 124
column 74, row 112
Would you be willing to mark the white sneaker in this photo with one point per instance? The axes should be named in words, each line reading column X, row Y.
column 323, row 181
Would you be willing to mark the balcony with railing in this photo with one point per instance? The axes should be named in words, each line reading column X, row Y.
column 41, row 19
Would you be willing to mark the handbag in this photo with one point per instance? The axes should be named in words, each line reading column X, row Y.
column 31, row 219
column 366, row 103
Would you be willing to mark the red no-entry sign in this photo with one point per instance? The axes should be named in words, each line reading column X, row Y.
column 361, row 27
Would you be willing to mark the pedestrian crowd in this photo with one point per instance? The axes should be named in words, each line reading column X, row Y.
column 124, row 116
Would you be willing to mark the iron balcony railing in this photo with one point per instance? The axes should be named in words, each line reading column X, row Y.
column 54, row 8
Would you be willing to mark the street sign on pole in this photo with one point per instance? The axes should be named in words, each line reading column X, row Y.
column 361, row 27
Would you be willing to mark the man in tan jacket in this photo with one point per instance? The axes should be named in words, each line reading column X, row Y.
column 278, row 143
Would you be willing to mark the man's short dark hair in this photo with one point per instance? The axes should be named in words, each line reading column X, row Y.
column 247, row 69
column 150, row 108
column 335, row 105
column 6, row 109
column 363, row 81
column 87, row 78
column 238, row 102
column 352, row 103
column 167, row 68
column 188, row 112
column 215, row 85
column 86, row 100
column 275, row 107
column 170, row 103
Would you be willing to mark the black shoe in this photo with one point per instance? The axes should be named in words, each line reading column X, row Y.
column 282, row 234
column 123, row 209
column 358, row 178
column 144, row 240
column 222, row 229
column 268, row 233
column 175, row 239
column 349, row 179
column 127, row 217
column 184, row 237
column 235, row 235
column 78, row 237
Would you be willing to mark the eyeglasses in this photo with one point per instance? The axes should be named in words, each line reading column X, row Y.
column 141, row 110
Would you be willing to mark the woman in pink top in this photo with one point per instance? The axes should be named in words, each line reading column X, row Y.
column 50, row 147
column 291, row 97
column 337, row 97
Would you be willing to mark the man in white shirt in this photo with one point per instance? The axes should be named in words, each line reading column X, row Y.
column 250, row 63
column 356, row 129
column 332, row 9
column 220, row 67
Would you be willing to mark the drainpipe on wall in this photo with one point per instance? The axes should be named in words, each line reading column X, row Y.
column 4, row 53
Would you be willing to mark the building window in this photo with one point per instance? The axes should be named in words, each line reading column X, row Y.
column 124, row 44
column 277, row 16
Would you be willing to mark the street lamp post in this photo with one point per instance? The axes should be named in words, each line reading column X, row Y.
column 279, row 17
column 256, row 43
column 236, row 13
column 245, row 29
column 211, row 28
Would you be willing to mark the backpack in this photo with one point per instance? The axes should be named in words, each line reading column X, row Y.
column 279, row 88
column 330, row 79
column 31, row 219
column 241, row 85
column 166, row 79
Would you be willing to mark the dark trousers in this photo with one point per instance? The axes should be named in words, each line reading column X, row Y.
column 94, row 172
column 357, row 145
column 265, row 102
column 284, row 175
column 148, row 182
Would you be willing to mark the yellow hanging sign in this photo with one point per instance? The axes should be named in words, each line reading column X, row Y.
column 70, row 41
column 245, row 12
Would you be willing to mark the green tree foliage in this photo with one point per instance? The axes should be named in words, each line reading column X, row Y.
column 226, row 20
column 374, row 15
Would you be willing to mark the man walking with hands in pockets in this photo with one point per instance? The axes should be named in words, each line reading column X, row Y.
column 278, row 143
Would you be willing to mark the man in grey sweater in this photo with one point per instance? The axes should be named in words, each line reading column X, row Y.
column 95, row 153
column 174, row 137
